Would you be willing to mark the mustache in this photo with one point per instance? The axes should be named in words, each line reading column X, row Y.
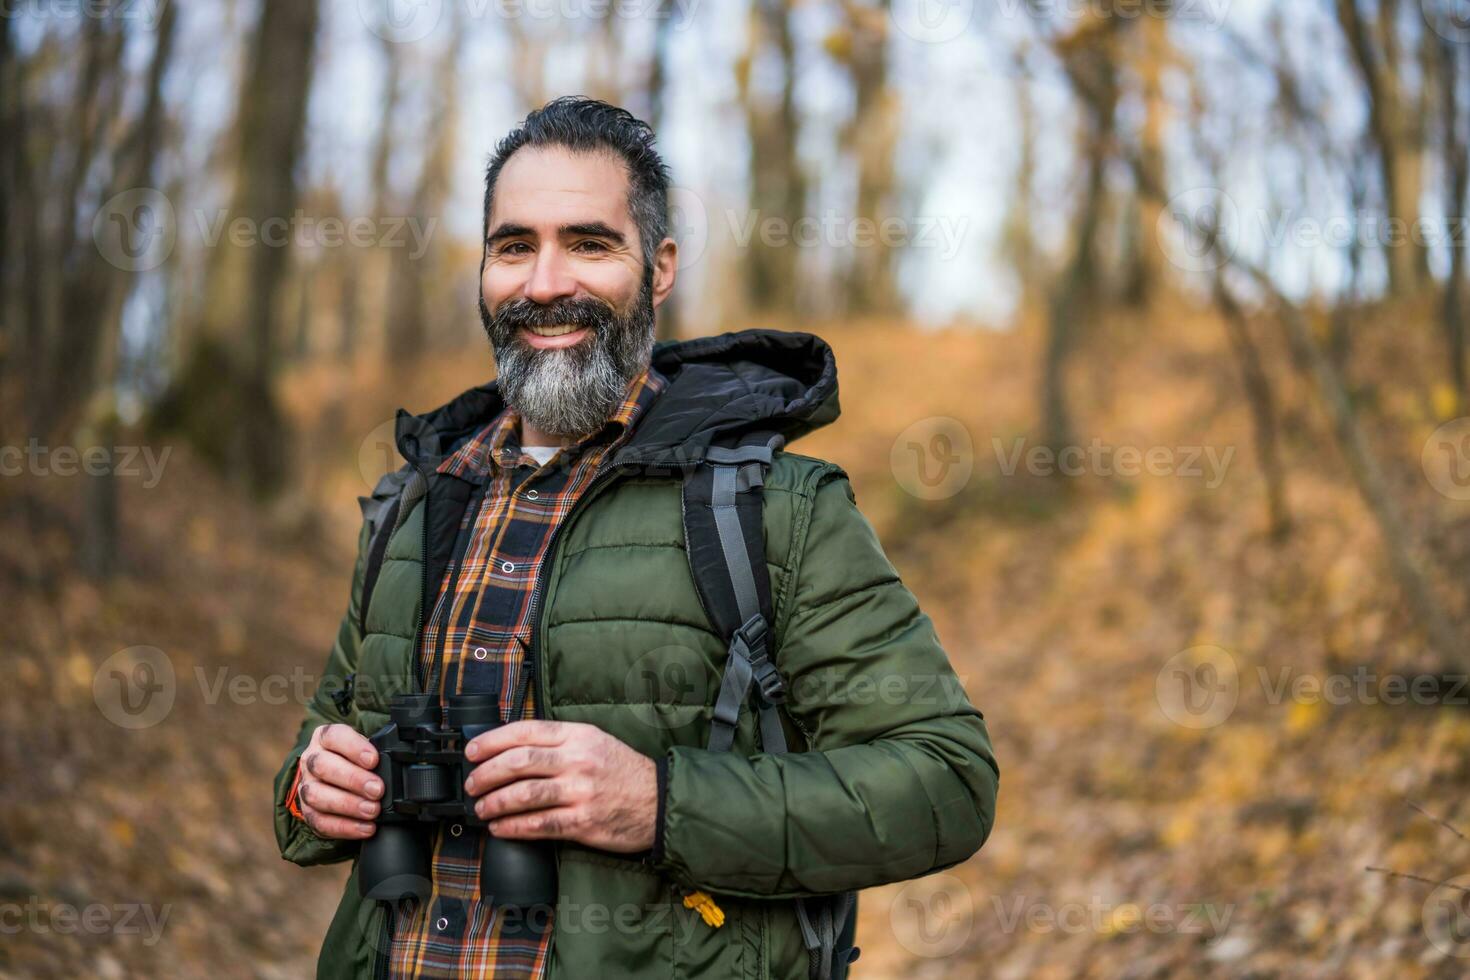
column 584, row 312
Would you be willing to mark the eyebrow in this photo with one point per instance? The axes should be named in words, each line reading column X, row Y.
column 595, row 229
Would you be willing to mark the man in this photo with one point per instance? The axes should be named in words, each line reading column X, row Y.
column 533, row 568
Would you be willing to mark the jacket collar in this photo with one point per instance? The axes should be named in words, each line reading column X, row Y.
column 719, row 388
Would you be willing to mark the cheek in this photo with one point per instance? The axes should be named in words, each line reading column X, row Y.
column 610, row 283
column 499, row 283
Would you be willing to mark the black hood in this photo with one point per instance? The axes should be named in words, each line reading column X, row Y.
column 719, row 389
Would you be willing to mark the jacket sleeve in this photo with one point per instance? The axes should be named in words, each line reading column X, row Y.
column 900, row 780
column 297, row 841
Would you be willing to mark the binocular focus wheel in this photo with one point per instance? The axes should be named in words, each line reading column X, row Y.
column 427, row 783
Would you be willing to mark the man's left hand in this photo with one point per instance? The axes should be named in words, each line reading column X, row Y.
column 564, row 780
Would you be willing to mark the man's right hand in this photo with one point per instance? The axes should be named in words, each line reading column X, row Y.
column 338, row 791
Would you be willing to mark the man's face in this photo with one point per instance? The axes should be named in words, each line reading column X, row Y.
column 564, row 294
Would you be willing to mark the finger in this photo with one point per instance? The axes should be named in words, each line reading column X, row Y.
column 523, row 796
column 335, row 827
column 558, row 823
column 349, row 744
column 513, row 764
column 331, row 768
column 497, row 740
column 331, row 800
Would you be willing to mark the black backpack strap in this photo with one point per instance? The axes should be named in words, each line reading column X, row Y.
column 727, row 555
column 828, row 930
column 723, row 533
column 384, row 513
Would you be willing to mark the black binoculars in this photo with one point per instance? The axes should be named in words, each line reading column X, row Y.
column 422, row 764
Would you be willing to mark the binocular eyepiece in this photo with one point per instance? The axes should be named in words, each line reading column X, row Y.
column 422, row 764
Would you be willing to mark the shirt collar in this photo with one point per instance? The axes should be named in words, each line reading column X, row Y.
column 498, row 445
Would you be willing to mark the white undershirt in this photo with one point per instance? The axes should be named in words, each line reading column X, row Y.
column 541, row 453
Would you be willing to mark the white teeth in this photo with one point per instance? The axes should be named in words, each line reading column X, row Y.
column 556, row 331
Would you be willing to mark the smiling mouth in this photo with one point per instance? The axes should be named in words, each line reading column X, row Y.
column 560, row 330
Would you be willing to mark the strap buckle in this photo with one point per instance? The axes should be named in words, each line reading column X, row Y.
column 342, row 697
column 752, row 638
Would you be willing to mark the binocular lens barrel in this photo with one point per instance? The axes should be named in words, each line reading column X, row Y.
column 467, row 710
column 414, row 711
column 518, row 873
column 395, row 864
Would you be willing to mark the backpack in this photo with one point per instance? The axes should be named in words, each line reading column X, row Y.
column 722, row 507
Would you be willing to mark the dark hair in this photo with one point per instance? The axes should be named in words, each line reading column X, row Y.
column 585, row 124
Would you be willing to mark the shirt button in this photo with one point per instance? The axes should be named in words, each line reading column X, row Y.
column 532, row 494
column 508, row 566
column 481, row 653
column 442, row 924
column 456, row 829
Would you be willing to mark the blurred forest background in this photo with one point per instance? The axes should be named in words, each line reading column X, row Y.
column 1170, row 295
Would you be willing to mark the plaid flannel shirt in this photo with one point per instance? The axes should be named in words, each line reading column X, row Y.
column 475, row 641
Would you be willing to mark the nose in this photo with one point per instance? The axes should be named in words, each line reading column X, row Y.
column 551, row 277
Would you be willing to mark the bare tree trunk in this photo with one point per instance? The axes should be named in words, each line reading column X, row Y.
column 1088, row 59
column 667, row 323
column 80, row 275
column 11, row 337
column 409, row 320
column 1397, row 127
column 1262, row 403
column 349, row 312
column 1155, row 56
column 96, row 363
column 224, row 398
column 604, row 77
column 1069, row 297
column 777, row 185
column 872, row 136
column 1455, row 125
column 1019, row 233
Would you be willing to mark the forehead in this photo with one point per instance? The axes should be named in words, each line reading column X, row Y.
column 542, row 187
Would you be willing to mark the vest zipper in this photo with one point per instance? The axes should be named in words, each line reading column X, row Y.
column 415, row 666
column 385, row 932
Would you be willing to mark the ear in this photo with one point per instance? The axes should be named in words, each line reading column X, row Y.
column 665, row 269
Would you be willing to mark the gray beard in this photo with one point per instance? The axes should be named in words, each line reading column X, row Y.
column 571, row 392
